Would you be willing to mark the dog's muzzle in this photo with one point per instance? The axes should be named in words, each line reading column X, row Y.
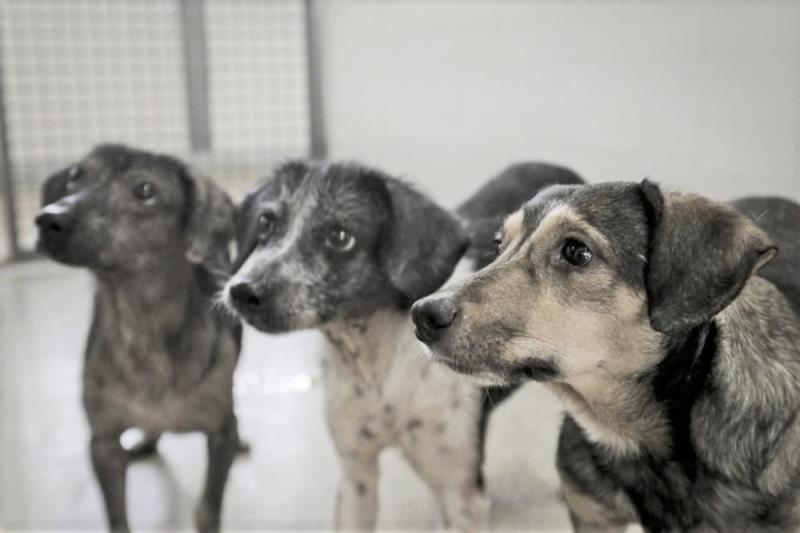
column 244, row 297
column 55, row 228
column 433, row 316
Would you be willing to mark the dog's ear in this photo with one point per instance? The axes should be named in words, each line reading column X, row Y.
column 701, row 254
column 209, row 219
column 54, row 187
column 424, row 244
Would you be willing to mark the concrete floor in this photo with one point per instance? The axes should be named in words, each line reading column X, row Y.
column 287, row 482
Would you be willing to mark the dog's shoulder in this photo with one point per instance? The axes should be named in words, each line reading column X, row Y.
column 746, row 425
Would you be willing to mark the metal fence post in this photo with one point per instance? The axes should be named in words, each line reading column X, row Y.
column 6, row 177
column 319, row 148
column 195, row 59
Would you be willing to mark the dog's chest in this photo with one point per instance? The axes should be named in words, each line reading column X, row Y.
column 382, row 389
column 139, row 377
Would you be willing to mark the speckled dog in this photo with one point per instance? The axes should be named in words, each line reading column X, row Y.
column 347, row 249
column 157, row 358
column 676, row 354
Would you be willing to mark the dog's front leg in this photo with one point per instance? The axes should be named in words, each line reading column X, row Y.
column 222, row 448
column 110, row 461
column 451, row 471
column 357, row 500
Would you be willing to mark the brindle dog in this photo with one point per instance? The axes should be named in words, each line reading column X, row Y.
column 676, row 355
column 158, row 358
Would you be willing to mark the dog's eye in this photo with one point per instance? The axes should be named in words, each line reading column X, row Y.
column 144, row 191
column 340, row 240
column 265, row 223
column 73, row 177
column 576, row 253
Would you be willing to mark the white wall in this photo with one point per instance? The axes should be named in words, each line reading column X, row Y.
column 701, row 95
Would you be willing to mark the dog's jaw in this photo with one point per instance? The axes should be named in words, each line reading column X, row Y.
column 479, row 378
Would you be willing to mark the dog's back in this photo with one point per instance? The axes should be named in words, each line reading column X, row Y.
column 780, row 219
column 483, row 212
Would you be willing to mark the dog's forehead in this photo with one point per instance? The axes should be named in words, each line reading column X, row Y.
column 115, row 161
column 342, row 190
column 613, row 209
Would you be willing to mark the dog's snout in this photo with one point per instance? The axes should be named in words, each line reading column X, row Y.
column 432, row 317
column 54, row 223
column 244, row 295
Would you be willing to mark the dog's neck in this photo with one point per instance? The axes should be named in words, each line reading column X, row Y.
column 622, row 415
column 748, row 360
column 154, row 297
column 365, row 348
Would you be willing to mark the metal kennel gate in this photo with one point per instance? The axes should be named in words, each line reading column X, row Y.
column 230, row 85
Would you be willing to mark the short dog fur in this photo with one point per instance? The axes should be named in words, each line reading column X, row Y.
column 157, row 358
column 676, row 354
column 347, row 249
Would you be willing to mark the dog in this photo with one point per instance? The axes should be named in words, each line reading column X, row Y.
column 676, row 355
column 158, row 357
column 347, row 249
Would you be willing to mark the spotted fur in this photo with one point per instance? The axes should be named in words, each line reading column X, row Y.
column 380, row 390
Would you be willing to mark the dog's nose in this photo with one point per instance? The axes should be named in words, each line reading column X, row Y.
column 432, row 316
column 54, row 224
column 243, row 295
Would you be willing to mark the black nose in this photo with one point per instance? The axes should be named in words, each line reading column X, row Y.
column 54, row 224
column 244, row 296
column 432, row 316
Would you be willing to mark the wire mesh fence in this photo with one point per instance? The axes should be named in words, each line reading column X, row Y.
column 153, row 74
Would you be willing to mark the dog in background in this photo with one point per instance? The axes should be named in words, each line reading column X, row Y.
column 158, row 358
column 678, row 364
column 347, row 249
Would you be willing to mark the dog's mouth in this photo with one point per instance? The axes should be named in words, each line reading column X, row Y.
column 487, row 370
column 475, row 373
column 61, row 250
column 265, row 315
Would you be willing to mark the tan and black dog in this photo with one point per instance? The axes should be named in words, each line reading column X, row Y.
column 158, row 358
column 676, row 355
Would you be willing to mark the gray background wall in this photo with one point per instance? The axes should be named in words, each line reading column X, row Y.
column 701, row 95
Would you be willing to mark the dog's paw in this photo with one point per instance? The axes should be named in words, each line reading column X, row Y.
column 205, row 520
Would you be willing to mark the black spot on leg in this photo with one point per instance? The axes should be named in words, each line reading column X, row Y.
column 361, row 488
column 413, row 424
column 388, row 409
column 366, row 433
column 358, row 391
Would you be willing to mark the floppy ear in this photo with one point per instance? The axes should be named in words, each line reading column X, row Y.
column 424, row 244
column 701, row 254
column 209, row 222
column 54, row 187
